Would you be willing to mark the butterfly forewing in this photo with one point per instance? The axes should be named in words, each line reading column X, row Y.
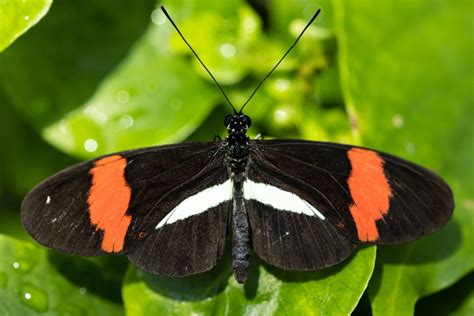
column 112, row 203
column 369, row 196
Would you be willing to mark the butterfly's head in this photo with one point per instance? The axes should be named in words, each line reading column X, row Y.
column 237, row 123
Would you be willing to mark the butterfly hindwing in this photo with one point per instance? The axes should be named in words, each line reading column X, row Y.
column 191, row 238
column 293, row 241
column 287, row 230
column 188, row 246
column 369, row 196
column 111, row 204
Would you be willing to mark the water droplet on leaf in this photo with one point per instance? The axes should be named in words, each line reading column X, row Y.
column 126, row 121
column 157, row 17
column 123, row 96
column 410, row 148
column 397, row 121
column 33, row 297
column 90, row 145
column 227, row 50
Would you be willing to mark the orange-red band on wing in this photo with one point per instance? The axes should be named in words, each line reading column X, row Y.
column 108, row 201
column 370, row 191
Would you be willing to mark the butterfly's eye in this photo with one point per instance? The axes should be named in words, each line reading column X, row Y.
column 247, row 121
column 228, row 120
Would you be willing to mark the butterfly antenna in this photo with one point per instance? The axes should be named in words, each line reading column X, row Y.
column 195, row 54
column 281, row 59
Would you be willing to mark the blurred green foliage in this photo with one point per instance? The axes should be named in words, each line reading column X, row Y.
column 95, row 77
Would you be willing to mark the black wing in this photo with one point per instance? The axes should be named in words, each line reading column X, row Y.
column 365, row 196
column 113, row 204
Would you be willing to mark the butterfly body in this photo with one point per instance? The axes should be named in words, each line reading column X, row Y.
column 237, row 151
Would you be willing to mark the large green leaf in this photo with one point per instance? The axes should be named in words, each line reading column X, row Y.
column 150, row 99
column 18, row 16
column 57, row 66
column 456, row 300
column 30, row 284
column 268, row 291
column 409, row 89
column 18, row 171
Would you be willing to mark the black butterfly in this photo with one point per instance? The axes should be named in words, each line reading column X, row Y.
column 299, row 205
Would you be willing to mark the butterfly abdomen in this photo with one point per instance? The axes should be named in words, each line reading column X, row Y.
column 241, row 239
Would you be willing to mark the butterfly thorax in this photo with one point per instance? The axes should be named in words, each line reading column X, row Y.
column 237, row 141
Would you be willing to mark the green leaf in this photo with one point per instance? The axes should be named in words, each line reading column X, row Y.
column 56, row 67
column 455, row 300
column 407, row 75
column 18, row 16
column 30, row 284
column 268, row 291
column 18, row 171
column 150, row 99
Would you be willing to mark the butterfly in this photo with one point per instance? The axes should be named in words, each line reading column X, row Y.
column 300, row 205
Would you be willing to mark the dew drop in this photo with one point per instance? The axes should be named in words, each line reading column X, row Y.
column 90, row 145
column 280, row 116
column 126, row 121
column 33, row 297
column 227, row 50
column 397, row 121
column 90, row 110
column 123, row 96
column 64, row 127
column 282, row 84
column 469, row 204
column 95, row 114
column 22, row 264
column 82, row 290
column 157, row 17
column 27, row 17
column 249, row 25
column 3, row 280
column 410, row 148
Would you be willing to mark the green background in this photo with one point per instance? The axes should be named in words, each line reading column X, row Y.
column 84, row 78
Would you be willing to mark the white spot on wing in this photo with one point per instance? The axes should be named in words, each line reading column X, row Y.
column 279, row 199
column 199, row 203
column 48, row 199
